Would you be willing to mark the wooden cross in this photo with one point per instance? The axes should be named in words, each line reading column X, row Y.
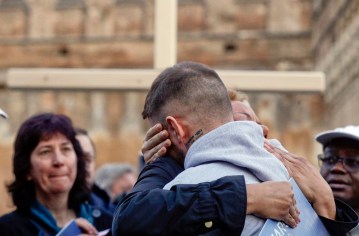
column 165, row 55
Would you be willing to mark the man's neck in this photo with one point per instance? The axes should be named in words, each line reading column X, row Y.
column 194, row 137
column 177, row 157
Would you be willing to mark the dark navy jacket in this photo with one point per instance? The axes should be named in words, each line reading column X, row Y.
column 185, row 209
column 150, row 210
column 100, row 199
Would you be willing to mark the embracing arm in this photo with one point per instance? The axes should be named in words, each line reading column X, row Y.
column 309, row 180
column 193, row 209
column 183, row 210
column 337, row 216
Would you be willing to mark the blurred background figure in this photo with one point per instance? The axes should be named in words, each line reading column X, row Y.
column 49, row 188
column 340, row 164
column 89, row 151
column 99, row 197
column 116, row 179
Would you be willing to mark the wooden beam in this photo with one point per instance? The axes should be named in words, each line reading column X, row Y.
column 165, row 33
column 274, row 81
column 141, row 79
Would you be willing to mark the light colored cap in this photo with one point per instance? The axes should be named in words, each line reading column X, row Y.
column 350, row 132
column 3, row 114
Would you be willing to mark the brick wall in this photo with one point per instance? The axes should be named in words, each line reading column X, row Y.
column 227, row 34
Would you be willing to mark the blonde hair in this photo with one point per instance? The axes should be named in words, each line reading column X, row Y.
column 237, row 96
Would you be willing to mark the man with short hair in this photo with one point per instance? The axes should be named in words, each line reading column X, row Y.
column 196, row 208
column 188, row 209
column 191, row 101
column 340, row 164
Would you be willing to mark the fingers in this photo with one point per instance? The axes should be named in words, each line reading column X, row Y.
column 156, row 146
column 279, row 153
column 292, row 218
column 294, row 212
column 289, row 220
column 156, row 152
column 86, row 226
column 288, row 159
column 149, row 159
column 155, row 143
column 276, row 152
column 267, row 145
column 285, row 155
column 153, row 131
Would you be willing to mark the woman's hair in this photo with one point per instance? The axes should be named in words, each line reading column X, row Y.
column 32, row 131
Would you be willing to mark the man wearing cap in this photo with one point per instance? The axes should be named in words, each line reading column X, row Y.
column 340, row 164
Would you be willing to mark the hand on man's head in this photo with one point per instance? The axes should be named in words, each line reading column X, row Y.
column 155, row 144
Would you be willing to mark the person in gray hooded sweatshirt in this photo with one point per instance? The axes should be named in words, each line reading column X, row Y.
column 232, row 149
column 156, row 110
column 191, row 102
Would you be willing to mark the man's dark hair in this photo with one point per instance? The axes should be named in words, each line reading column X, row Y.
column 187, row 88
column 32, row 131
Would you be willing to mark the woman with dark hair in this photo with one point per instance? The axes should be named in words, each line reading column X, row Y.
column 50, row 187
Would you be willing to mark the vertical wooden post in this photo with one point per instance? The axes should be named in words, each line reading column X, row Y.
column 165, row 33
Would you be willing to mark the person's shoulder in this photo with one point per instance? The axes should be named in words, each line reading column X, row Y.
column 157, row 174
column 12, row 217
column 166, row 164
column 102, row 218
column 345, row 213
column 346, row 219
column 16, row 223
column 164, row 167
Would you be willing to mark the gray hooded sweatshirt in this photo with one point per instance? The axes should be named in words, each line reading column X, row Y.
column 235, row 148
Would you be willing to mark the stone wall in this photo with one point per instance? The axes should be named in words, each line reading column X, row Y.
column 336, row 49
column 226, row 34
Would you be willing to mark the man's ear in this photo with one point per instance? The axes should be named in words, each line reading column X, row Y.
column 176, row 130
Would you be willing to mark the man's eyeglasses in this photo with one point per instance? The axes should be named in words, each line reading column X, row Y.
column 351, row 164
